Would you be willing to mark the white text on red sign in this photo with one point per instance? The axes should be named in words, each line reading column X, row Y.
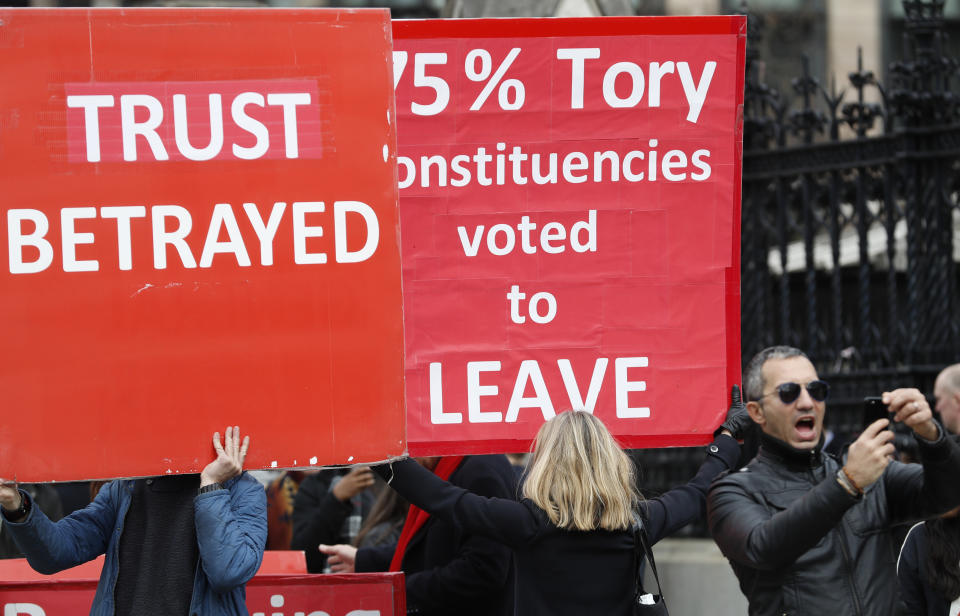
column 643, row 82
column 195, row 121
column 530, row 375
column 31, row 250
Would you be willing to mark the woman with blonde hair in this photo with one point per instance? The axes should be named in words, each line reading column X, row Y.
column 572, row 532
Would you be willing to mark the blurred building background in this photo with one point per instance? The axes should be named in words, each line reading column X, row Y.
column 827, row 30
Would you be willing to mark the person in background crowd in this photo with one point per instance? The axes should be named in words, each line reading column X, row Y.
column 382, row 526
column 330, row 507
column 519, row 463
column 178, row 544
column 47, row 499
column 929, row 567
column 573, row 531
column 806, row 534
column 449, row 569
column 281, row 493
column 946, row 390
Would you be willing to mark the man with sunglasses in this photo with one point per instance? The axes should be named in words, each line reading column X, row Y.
column 806, row 533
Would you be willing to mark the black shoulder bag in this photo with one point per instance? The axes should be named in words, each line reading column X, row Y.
column 641, row 550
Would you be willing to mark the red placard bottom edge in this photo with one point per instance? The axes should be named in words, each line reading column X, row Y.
column 496, row 446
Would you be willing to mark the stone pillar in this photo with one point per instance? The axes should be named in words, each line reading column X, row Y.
column 851, row 25
column 692, row 7
column 577, row 8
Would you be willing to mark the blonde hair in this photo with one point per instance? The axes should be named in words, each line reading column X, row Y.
column 579, row 475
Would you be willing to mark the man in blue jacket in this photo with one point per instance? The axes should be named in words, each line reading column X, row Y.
column 174, row 545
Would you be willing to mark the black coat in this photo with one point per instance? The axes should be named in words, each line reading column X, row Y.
column 562, row 572
column 452, row 570
column 318, row 516
column 801, row 545
column 920, row 599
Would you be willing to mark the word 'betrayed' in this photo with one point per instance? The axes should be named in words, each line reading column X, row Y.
column 31, row 252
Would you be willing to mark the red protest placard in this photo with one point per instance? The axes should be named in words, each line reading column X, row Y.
column 199, row 211
column 570, row 206
column 27, row 593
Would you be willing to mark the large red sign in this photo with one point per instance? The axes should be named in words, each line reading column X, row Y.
column 570, row 200
column 200, row 218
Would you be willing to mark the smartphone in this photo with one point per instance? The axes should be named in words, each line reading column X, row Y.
column 874, row 409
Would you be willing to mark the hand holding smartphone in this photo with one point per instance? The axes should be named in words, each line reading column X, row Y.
column 874, row 409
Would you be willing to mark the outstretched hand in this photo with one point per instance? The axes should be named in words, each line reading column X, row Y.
column 230, row 457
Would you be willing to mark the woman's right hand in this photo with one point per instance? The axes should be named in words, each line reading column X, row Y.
column 341, row 558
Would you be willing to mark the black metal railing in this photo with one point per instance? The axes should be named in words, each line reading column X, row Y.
column 848, row 225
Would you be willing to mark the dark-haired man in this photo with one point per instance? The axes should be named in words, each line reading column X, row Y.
column 805, row 533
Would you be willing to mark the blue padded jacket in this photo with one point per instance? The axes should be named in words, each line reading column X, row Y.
column 231, row 533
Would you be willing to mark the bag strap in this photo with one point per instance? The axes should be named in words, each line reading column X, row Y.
column 642, row 549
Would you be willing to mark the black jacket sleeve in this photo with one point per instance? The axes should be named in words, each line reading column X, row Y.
column 374, row 559
column 918, row 491
column 480, row 506
column 682, row 505
column 502, row 519
column 750, row 534
column 318, row 517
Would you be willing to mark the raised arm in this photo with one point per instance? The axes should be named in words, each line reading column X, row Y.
column 915, row 492
column 54, row 546
column 231, row 516
column 749, row 534
column 501, row 519
column 668, row 513
column 684, row 504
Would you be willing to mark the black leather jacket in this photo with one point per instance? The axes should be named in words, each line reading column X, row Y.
column 800, row 544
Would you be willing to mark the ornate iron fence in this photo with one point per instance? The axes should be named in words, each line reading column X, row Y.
column 850, row 211
column 848, row 239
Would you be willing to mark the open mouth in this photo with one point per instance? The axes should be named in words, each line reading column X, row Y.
column 806, row 428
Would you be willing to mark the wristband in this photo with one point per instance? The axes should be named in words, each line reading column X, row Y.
column 848, row 484
column 213, row 487
column 20, row 512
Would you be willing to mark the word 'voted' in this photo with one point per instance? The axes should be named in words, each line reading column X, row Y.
column 501, row 238
column 171, row 226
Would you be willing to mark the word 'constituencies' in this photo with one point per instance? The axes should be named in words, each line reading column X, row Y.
column 113, row 229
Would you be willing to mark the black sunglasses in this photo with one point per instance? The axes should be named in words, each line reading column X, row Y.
column 789, row 392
